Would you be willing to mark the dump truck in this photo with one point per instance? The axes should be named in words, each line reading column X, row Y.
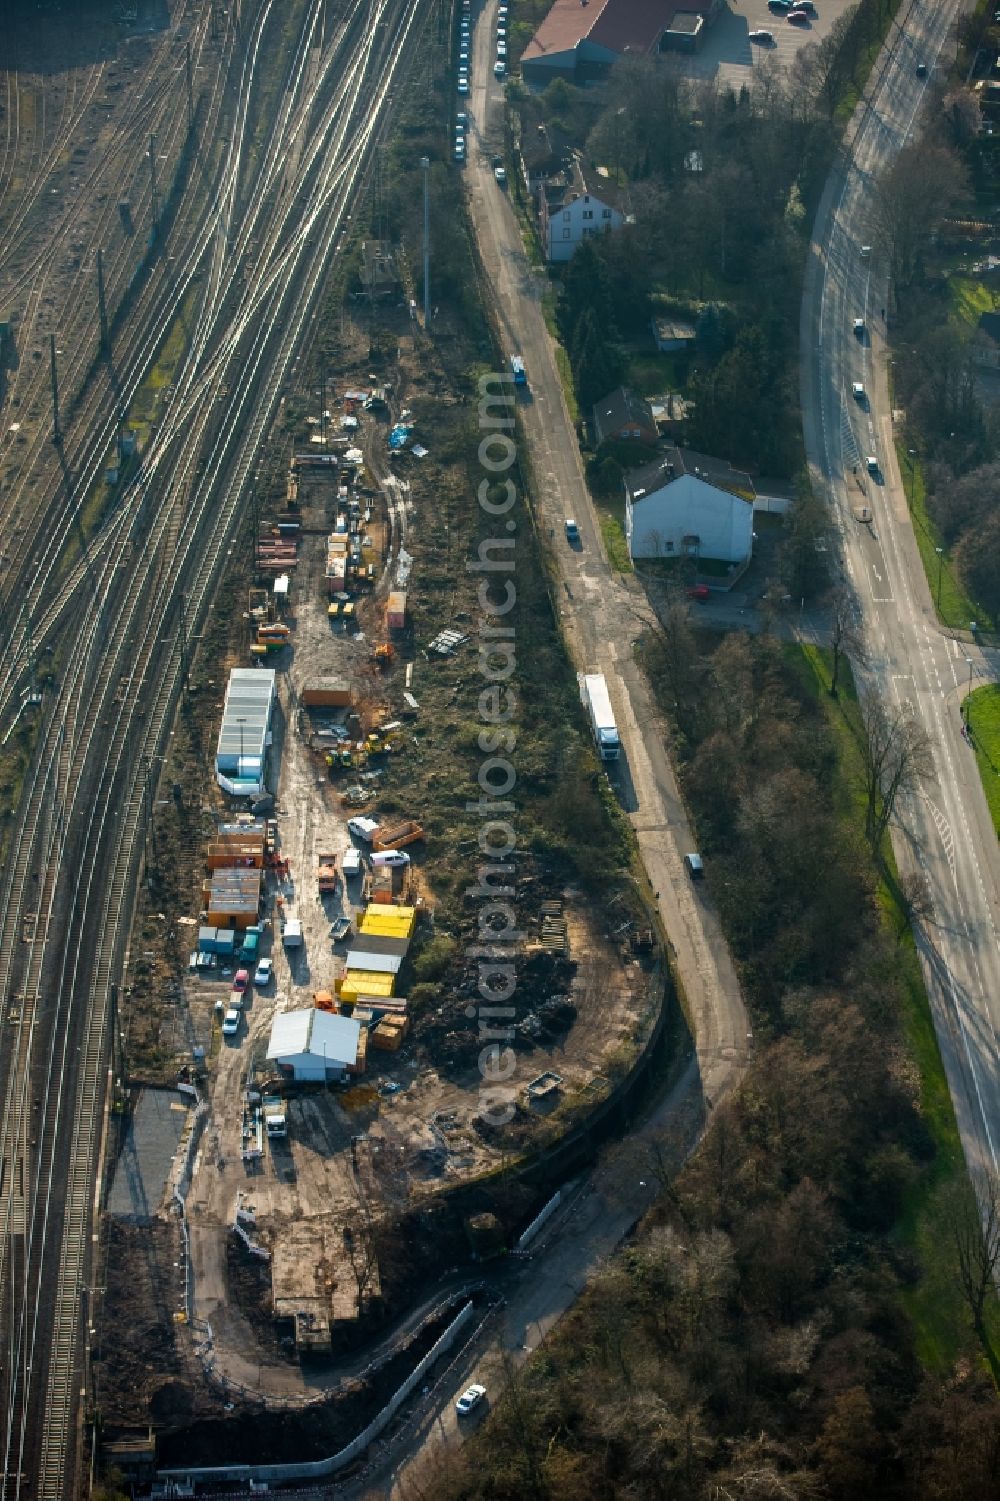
column 398, row 835
column 327, row 876
column 597, row 702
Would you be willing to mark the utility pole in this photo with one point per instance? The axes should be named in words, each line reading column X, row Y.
column 425, row 164
column 102, row 309
column 56, row 429
column 190, row 83
column 154, row 192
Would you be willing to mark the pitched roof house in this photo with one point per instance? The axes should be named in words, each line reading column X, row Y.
column 625, row 417
column 688, row 505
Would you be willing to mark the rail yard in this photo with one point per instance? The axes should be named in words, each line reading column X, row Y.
column 105, row 574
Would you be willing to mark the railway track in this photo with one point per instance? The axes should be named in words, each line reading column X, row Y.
column 113, row 709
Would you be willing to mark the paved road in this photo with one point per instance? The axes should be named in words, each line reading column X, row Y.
column 602, row 613
column 947, row 831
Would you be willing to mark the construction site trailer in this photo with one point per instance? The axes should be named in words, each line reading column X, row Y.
column 390, row 922
column 245, row 733
column 395, row 611
column 326, row 693
column 359, row 982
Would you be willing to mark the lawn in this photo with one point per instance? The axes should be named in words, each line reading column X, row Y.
column 954, row 606
column 970, row 298
column 983, row 708
column 934, row 1303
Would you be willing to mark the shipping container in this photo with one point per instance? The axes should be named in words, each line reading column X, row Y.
column 395, row 611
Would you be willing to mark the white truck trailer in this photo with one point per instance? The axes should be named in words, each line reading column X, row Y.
column 597, row 701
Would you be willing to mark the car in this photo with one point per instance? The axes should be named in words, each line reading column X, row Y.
column 500, row 173
column 499, row 68
column 806, row 5
column 470, row 1399
column 694, row 865
column 921, row 70
column 231, row 1022
column 502, row 29
column 797, row 17
column 779, row 7
column 859, row 327
column 572, row 530
column 350, row 864
column 858, row 391
column 390, row 858
column 340, row 929
column 501, row 49
column 866, row 251
column 364, row 829
column 862, row 514
column 262, row 974
column 241, row 979
column 463, row 57
column 463, row 86
column 762, row 38
column 460, row 151
column 461, row 119
column 871, row 464
column 700, row 592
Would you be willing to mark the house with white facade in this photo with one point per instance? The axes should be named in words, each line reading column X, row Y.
column 687, row 505
column 569, row 212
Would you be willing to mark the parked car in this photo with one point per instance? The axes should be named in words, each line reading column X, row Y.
column 501, row 49
column 463, row 86
column 700, row 592
column 797, row 17
column 391, row 857
column 866, row 251
column 340, row 929
column 695, row 866
column 500, row 173
column 921, row 70
column 350, row 864
column 762, row 38
column 779, row 7
column 262, row 974
column 499, row 68
column 859, row 327
column 231, row 1022
column 460, row 150
column 470, row 1398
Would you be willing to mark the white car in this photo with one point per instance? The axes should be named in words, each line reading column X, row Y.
column 231, row 1022
column 262, row 974
column 501, row 49
column 469, row 1399
column 866, row 251
column 463, row 86
column 859, row 326
column 350, row 864
column 500, row 173
column 499, row 68
column 762, row 38
column 460, row 150
column 390, row 857
column 857, row 391
column 872, row 464
column 364, row 829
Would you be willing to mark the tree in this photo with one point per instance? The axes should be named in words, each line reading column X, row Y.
column 919, row 190
column 845, row 636
column 976, row 1233
column 806, row 553
column 895, row 756
column 978, row 559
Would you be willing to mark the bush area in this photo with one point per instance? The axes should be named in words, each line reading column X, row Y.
column 762, row 1335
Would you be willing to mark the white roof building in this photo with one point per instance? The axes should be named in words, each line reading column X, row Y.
column 687, row 505
column 375, row 961
column 245, row 733
column 314, row 1046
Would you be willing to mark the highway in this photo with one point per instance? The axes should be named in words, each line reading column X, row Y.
column 945, row 830
column 68, row 889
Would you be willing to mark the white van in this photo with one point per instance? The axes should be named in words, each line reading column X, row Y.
column 350, row 864
column 390, row 857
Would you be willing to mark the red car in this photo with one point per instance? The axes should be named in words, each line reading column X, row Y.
column 700, row 592
column 241, row 979
column 798, row 17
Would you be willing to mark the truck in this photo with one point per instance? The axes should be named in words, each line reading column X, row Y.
column 518, row 370
column 327, row 875
column 275, row 1120
column 597, row 701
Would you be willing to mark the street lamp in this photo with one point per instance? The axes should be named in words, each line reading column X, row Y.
column 940, row 557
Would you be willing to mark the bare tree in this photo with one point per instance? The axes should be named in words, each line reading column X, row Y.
column 845, row 637
column 915, row 900
column 923, row 186
column 896, row 756
column 976, row 1231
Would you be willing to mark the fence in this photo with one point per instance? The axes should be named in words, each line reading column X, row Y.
column 316, row 1469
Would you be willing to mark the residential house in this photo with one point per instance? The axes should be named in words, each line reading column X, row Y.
column 624, row 417
column 688, row 505
column 574, row 207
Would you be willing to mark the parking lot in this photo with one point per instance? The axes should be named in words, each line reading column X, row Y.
column 728, row 53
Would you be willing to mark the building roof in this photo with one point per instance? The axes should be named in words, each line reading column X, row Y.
column 584, row 182
column 374, row 962
column 246, row 716
column 379, row 943
column 688, row 22
column 617, row 25
column 989, row 324
column 322, row 1034
column 675, row 463
column 622, row 407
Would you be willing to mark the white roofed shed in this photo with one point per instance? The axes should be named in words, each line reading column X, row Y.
column 313, row 1046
